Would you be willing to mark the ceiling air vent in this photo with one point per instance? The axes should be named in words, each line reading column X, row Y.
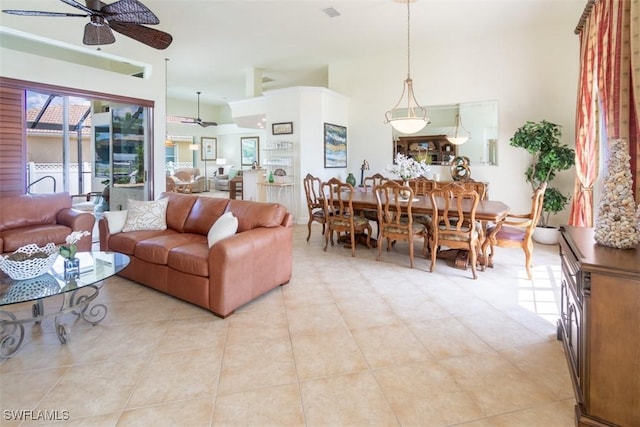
column 331, row 12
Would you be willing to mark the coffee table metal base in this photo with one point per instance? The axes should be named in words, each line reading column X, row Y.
column 76, row 302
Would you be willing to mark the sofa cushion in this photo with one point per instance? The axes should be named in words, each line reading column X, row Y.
column 191, row 259
column 156, row 249
column 252, row 214
column 205, row 212
column 32, row 209
column 38, row 234
column 126, row 242
column 178, row 209
column 115, row 220
column 224, row 227
column 141, row 215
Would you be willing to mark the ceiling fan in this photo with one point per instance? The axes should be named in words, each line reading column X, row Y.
column 198, row 121
column 123, row 16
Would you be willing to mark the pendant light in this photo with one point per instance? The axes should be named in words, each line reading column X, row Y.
column 458, row 135
column 407, row 117
column 167, row 141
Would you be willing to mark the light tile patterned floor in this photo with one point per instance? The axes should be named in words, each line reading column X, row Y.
column 349, row 342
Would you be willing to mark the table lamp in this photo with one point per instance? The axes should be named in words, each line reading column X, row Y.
column 221, row 162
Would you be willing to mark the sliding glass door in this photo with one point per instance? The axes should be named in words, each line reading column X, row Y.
column 83, row 145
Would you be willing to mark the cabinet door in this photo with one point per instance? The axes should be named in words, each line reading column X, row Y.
column 571, row 320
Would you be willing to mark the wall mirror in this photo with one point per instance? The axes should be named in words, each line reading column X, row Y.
column 480, row 119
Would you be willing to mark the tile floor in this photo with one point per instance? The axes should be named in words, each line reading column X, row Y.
column 348, row 342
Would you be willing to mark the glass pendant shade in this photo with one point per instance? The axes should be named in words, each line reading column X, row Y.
column 409, row 119
column 407, row 116
column 458, row 135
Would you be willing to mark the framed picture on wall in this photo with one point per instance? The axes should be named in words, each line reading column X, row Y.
column 282, row 128
column 335, row 146
column 249, row 149
column 208, row 148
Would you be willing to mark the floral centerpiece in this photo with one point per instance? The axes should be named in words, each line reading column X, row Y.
column 407, row 168
column 69, row 250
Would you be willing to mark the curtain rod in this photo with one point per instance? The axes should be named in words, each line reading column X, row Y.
column 585, row 15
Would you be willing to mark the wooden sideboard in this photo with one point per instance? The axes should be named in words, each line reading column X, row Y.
column 600, row 328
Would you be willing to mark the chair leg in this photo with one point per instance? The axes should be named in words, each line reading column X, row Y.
column 326, row 239
column 411, row 252
column 369, row 231
column 528, row 250
column 352, row 236
column 434, row 253
column 309, row 227
column 474, row 259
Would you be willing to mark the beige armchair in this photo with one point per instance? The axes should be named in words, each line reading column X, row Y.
column 187, row 174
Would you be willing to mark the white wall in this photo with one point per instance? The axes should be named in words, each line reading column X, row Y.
column 532, row 73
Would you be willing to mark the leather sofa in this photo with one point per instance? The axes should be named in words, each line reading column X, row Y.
column 234, row 271
column 41, row 219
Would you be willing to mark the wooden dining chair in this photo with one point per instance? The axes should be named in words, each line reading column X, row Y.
column 337, row 197
column 396, row 220
column 369, row 183
column 454, row 224
column 313, row 191
column 516, row 231
column 421, row 186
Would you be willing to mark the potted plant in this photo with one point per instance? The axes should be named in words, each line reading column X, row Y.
column 549, row 156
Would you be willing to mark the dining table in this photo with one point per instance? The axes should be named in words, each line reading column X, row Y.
column 486, row 211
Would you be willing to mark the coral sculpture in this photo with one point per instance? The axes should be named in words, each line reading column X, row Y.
column 617, row 222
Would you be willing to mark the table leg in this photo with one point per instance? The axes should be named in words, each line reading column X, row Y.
column 11, row 334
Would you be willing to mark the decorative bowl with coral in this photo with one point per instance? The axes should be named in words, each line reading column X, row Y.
column 29, row 261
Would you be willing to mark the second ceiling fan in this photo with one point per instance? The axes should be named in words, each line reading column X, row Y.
column 199, row 121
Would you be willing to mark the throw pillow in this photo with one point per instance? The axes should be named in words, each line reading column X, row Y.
column 150, row 215
column 116, row 220
column 225, row 226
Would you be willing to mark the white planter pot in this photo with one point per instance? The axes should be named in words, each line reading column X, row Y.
column 546, row 235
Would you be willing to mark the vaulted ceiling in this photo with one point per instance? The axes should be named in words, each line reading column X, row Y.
column 219, row 43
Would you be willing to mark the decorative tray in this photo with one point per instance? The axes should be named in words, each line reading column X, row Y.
column 29, row 261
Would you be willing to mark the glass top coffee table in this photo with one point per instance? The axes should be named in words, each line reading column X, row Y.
column 76, row 293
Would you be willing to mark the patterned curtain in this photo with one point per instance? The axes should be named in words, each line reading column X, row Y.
column 634, row 122
column 586, row 122
column 607, row 40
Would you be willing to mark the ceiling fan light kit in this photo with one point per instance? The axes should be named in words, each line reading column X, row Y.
column 124, row 16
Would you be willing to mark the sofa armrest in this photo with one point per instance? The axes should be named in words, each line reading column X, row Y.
column 247, row 265
column 103, row 231
column 78, row 221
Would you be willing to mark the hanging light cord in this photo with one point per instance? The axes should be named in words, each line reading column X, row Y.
column 408, row 40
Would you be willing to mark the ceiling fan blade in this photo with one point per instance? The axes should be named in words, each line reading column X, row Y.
column 130, row 11
column 189, row 122
column 97, row 34
column 149, row 36
column 42, row 13
column 207, row 124
column 80, row 6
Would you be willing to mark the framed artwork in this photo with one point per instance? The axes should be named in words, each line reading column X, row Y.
column 282, row 128
column 335, row 146
column 208, row 148
column 249, row 148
